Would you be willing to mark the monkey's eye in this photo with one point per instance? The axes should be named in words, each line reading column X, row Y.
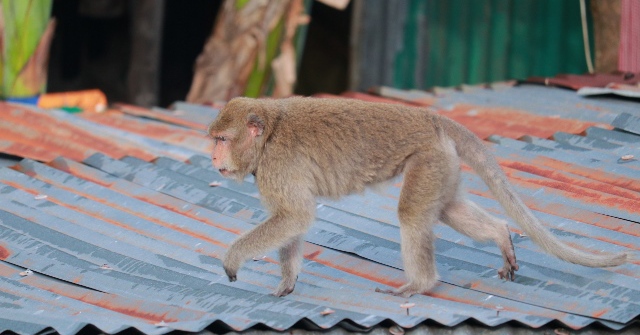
column 217, row 139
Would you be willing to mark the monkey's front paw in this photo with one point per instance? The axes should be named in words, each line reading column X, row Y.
column 231, row 271
column 231, row 274
column 231, row 265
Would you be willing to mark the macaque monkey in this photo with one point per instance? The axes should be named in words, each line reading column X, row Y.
column 303, row 148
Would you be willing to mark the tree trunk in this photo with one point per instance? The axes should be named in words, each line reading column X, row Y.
column 238, row 56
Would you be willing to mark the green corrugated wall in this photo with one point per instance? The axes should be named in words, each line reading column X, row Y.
column 447, row 43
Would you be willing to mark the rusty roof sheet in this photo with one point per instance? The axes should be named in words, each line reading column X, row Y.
column 110, row 222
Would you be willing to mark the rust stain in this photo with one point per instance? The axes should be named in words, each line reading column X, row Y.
column 599, row 175
column 110, row 302
column 484, row 128
column 40, row 139
column 26, row 150
column 581, row 193
column 43, row 130
column 600, row 313
column 193, row 139
column 563, row 177
column 539, row 124
column 140, row 111
column 144, row 315
column 361, row 268
column 313, row 255
column 4, row 252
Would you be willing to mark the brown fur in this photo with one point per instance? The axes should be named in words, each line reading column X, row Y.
column 302, row 148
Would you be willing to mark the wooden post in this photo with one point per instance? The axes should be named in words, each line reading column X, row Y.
column 606, row 26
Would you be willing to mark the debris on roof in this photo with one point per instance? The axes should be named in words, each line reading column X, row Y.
column 117, row 221
column 578, row 81
column 629, row 91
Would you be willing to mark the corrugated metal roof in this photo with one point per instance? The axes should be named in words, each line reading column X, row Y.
column 114, row 218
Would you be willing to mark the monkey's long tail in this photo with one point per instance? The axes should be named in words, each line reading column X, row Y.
column 473, row 152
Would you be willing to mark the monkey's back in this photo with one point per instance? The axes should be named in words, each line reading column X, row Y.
column 345, row 145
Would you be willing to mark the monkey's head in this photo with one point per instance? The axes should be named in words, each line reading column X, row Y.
column 238, row 138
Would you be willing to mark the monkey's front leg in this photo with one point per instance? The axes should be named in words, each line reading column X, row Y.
column 281, row 230
column 290, row 263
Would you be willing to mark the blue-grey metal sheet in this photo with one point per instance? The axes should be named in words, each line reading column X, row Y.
column 628, row 122
column 614, row 136
column 128, row 243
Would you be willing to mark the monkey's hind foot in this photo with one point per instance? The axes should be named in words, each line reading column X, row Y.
column 283, row 290
column 285, row 287
column 508, row 271
column 398, row 293
column 509, row 256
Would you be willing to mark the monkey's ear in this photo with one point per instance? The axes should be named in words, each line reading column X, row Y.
column 255, row 125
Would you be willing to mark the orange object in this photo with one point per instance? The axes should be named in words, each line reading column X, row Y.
column 93, row 100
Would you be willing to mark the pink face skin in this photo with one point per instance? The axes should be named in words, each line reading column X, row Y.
column 230, row 149
column 221, row 154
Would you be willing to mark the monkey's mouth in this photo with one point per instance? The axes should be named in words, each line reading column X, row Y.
column 225, row 172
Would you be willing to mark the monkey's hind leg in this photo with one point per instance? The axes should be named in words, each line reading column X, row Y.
column 419, row 262
column 468, row 218
column 418, row 210
column 290, row 264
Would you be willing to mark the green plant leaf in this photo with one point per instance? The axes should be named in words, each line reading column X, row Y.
column 24, row 24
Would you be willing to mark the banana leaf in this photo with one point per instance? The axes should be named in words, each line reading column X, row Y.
column 26, row 31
